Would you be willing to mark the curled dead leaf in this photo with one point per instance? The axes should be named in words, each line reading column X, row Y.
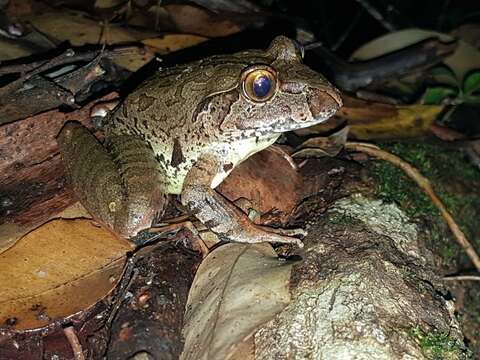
column 324, row 145
column 237, row 288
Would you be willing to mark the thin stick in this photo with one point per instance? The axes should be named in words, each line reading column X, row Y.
column 376, row 15
column 425, row 185
column 461, row 278
column 72, row 338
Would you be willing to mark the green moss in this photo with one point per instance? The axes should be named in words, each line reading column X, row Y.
column 444, row 168
column 438, row 346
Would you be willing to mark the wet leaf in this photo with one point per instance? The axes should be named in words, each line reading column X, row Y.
column 56, row 270
column 237, row 288
column 434, row 95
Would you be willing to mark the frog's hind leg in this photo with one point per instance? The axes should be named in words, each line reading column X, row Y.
column 120, row 188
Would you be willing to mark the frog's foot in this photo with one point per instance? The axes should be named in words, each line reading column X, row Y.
column 257, row 233
column 287, row 232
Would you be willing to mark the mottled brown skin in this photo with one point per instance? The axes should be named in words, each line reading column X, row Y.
column 184, row 130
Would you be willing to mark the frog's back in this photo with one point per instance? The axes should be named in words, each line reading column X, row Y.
column 169, row 99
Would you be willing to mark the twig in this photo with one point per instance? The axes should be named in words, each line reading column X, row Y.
column 351, row 76
column 59, row 60
column 347, row 31
column 376, row 15
column 72, row 338
column 425, row 185
column 461, row 278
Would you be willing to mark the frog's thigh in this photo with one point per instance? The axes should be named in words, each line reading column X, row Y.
column 138, row 168
column 106, row 184
column 92, row 173
column 216, row 212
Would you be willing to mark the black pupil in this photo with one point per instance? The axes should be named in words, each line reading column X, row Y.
column 261, row 86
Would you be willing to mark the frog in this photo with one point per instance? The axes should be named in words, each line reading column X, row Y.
column 184, row 130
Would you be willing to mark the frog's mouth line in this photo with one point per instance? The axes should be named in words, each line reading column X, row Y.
column 291, row 125
column 282, row 126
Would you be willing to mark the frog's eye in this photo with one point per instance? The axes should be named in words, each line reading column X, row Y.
column 259, row 84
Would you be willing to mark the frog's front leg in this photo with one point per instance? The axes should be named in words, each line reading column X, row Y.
column 120, row 188
column 217, row 213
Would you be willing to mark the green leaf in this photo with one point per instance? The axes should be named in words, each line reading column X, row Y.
column 434, row 95
column 471, row 83
column 444, row 75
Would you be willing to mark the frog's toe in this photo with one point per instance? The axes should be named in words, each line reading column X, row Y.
column 287, row 232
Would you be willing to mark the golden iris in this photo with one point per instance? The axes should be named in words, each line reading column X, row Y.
column 259, row 84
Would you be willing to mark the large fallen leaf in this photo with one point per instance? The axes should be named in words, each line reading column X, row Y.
column 465, row 58
column 11, row 232
column 58, row 269
column 237, row 288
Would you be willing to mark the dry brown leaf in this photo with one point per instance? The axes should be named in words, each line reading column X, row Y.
column 236, row 289
column 195, row 20
column 80, row 30
column 133, row 60
column 268, row 181
column 56, row 270
column 173, row 42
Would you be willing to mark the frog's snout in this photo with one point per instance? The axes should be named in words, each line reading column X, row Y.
column 324, row 102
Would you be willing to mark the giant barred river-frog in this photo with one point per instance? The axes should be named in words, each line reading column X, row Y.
column 185, row 129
